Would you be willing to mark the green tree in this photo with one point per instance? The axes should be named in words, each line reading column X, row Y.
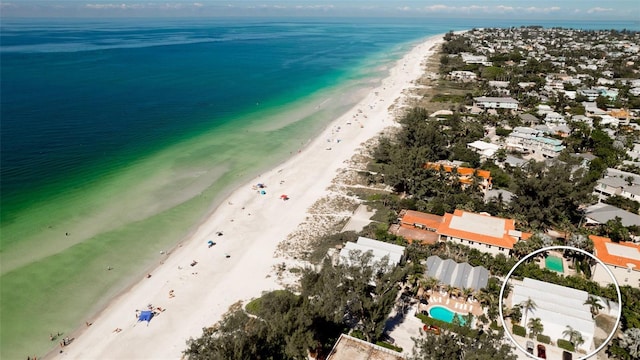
column 594, row 305
column 516, row 314
column 481, row 346
column 535, row 327
column 630, row 342
column 574, row 336
column 528, row 306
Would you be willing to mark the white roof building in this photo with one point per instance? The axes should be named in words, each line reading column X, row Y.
column 485, row 149
column 556, row 306
column 379, row 250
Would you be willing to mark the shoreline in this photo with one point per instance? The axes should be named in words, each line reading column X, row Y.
column 252, row 224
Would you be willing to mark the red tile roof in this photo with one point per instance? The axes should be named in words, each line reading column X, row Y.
column 416, row 225
column 602, row 252
column 412, row 218
column 505, row 241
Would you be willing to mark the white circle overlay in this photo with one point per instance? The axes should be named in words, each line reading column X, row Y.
column 560, row 247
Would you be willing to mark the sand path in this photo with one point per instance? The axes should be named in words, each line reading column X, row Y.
column 252, row 225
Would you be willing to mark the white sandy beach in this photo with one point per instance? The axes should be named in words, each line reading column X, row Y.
column 252, row 225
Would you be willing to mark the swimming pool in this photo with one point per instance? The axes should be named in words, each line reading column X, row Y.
column 444, row 314
column 554, row 263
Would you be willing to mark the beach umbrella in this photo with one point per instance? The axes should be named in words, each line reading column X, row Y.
column 262, row 192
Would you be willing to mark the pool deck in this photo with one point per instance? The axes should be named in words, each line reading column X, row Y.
column 455, row 304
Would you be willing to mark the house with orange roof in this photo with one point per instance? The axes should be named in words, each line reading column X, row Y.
column 466, row 176
column 486, row 233
column 417, row 226
column 622, row 259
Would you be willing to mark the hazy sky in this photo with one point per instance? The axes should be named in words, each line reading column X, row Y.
column 516, row 9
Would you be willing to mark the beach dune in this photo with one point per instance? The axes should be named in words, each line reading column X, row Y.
column 232, row 255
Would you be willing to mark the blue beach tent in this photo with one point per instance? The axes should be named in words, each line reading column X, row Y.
column 145, row 316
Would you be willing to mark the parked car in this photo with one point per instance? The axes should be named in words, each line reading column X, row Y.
column 431, row 328
column 567, row 355
column 542, row 351
column 530, row 347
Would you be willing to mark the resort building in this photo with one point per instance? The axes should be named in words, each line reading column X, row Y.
column 556, row 306
column 623, row 259
column 485, row 233
column 458, row 275
column 466, row 176
column 529, row 140
column 486, row 102
column 350, row 348
column 386, row 254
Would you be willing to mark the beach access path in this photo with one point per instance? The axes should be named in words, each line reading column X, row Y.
column 241, row 264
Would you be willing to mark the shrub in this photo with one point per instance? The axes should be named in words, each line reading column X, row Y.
column 254, row 306
column 389, row 346
column 357, row 334
column 519, row 330
column 544, row 339
column 564, row 344
column 494, row 325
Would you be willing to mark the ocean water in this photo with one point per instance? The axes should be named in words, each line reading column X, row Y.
column 119, row 136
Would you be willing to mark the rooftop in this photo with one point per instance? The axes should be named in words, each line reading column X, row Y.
column 485, row 229
column 622, row 254
column 601, row 213
column 350, row 348
column 460, row 275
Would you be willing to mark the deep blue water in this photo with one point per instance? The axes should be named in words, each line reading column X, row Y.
column 81, row 97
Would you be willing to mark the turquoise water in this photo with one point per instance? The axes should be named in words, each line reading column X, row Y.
column 554, row 263
column 119, row 136
column 444, row 314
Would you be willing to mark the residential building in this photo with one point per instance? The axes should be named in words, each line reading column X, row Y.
column 618, row 182
column 475, row 59
column 533, row 141
column 556, row 307
column 380, row 250
column 463, row 76
column 417, row 226
column 459, row 275
column 496, row 102
column 466, row 176
column 590, row 94
column 484, row 149
column 529, row 119
column 622, row 259
column 554, row 119
column 600, row 213
column 485, row 233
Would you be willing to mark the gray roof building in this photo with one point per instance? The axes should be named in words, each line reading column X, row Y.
column 457, row 275
column 601, row 213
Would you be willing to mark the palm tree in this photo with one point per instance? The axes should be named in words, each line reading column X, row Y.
column 535, row 327
column 515, row 314
column 594, row 305
column 466, row 292
column 575, row 337
column 578, row 340
column 454, row 291
column 528, row 306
